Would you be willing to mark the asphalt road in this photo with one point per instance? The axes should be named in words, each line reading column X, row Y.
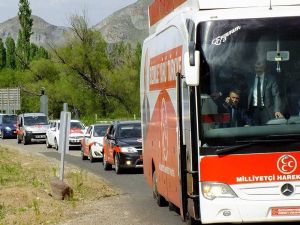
column 132, row 184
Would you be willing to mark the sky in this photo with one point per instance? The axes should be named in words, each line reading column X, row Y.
column 58, row 12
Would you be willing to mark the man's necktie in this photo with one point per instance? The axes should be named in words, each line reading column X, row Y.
column 233, row 117
column 258, row 92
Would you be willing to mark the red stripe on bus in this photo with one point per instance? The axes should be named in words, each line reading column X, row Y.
column 251, row 168
column 160, row 8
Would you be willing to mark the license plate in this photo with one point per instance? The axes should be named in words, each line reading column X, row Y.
column 286, row 211
column 40, row 136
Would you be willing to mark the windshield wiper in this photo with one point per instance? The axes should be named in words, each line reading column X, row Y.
column 247, row 143
column 220, row 151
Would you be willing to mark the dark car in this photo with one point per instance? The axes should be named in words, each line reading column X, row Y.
column 8, row 124
column 122, row 146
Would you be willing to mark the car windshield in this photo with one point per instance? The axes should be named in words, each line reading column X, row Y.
column 35, row 120
column 250, row 78
column 129, row 131
column 10, row 119
column 99, row 131
column 76, row 125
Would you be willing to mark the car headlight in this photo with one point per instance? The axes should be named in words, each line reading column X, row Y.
column 128, row 149
column 28, row 129
column 212, row 190
column 8, row 128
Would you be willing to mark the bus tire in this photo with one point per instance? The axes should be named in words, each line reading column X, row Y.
column 192, row 221
column 160, row 200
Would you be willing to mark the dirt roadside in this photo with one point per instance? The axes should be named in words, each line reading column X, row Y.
column 114, row 210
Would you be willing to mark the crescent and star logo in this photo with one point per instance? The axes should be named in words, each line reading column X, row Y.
column 287, row 164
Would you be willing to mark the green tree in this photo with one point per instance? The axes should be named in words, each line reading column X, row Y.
column 2, row 55
column 33, row 51
column 37, row 52
column 10, row 53
column 42, row 53
column 23, row 43
column 137, row 56
column 125, row 73
column 86, row 57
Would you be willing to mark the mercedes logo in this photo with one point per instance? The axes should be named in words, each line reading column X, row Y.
column 287, row 189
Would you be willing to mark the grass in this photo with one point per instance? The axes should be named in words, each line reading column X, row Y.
column 25, row 193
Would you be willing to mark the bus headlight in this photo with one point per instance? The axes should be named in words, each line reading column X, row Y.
column 212, row 190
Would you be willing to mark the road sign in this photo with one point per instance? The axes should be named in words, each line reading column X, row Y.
column 10, row 99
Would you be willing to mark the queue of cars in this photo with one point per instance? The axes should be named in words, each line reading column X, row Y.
column 117, row 144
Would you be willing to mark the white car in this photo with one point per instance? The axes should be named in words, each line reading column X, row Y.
column 92, row 143
column 76, row 134
column 31, row 127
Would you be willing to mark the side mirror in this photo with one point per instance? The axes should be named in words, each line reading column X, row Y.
column 87, row 135
column 191, row 71
column 52, row 129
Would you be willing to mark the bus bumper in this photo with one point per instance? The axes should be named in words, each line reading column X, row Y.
column 235, row 210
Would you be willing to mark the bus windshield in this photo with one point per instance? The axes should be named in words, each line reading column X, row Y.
column 250, row 78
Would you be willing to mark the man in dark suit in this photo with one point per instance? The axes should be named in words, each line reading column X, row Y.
column 238, row 116
column 264, row 101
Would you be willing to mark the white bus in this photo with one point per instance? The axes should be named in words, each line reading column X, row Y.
column 198, row 53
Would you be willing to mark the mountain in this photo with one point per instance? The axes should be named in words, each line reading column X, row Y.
column 43, row 32
column 129, row 24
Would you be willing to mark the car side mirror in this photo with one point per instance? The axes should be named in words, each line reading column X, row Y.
column 52, row 129
column 87, row 135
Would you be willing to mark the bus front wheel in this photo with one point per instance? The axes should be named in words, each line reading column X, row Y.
column 160, row 200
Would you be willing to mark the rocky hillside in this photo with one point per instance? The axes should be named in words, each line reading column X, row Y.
column 129, row 24
column 43, row 32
